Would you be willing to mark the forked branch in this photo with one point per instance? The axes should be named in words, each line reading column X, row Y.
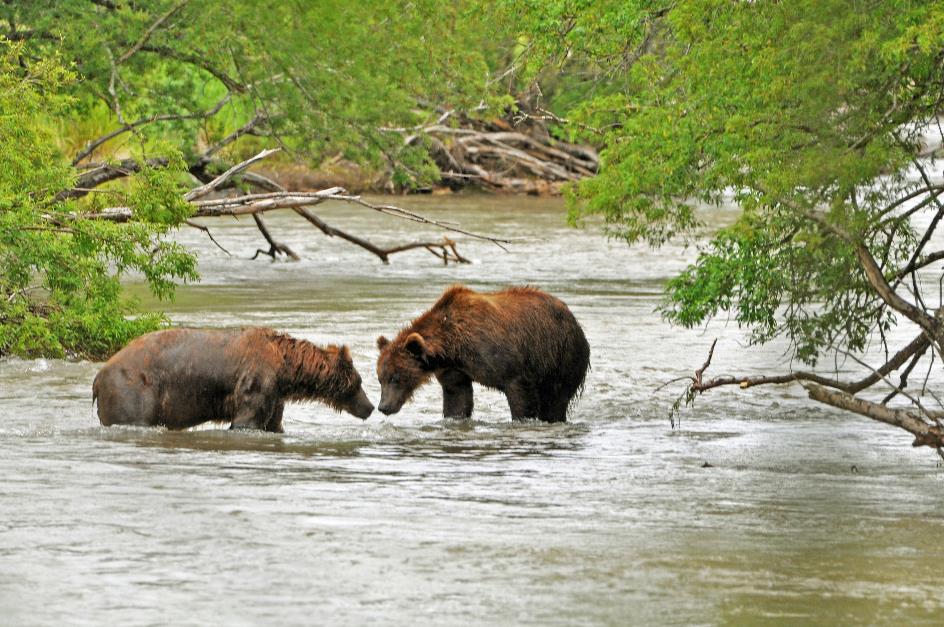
column 923, row 424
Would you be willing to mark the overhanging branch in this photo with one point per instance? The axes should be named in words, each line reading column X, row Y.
column 926, row 434
column 166, row 117
column 918, row 345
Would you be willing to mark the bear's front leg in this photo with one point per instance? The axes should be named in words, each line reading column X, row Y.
column 275, row 422
column 457, row 393
column 523, row 400
column 254, row 411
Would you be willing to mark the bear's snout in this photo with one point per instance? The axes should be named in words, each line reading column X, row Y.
column 389, row 401
column 361, row 406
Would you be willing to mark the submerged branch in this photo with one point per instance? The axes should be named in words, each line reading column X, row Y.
column 275, row 247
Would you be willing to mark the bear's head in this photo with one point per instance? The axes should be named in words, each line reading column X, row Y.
column 403, row 366
column 345, row 390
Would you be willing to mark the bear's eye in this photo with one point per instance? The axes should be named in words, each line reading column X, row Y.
column 395, row 379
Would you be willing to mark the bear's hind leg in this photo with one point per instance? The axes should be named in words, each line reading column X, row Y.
column 457, row 394
column 554, row 408
column 523, row 400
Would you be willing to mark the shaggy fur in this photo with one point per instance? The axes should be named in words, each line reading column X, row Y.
column 521, row 341
column 180, row 378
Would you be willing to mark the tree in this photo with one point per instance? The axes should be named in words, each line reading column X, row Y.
column 814, row 117
column 58, row 292
column 110, row 109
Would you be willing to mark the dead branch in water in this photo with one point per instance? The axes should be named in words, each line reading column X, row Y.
column 274, row 246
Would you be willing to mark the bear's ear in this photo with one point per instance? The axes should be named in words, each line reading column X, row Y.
column 382, row 342
column 416, row 345
column 345, row 354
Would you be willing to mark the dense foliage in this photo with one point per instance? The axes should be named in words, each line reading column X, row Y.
column 784, row 108
column 136, row 99
column 323, row 78
column 59, row 272
column 819, row 120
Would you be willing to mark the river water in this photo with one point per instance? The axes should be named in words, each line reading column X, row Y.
column 805, row 515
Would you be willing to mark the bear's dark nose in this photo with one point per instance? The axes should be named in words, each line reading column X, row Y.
column 385, row 409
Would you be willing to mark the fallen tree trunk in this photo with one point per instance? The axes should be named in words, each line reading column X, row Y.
column 256, row 204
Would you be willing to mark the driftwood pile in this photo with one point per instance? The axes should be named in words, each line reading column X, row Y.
column 517, row 156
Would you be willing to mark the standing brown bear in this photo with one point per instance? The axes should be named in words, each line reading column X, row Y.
column 180, row 378
column 521, row 341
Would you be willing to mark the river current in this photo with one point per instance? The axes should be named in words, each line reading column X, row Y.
column 758, row 507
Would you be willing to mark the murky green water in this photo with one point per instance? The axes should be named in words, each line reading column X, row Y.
column 609, row 519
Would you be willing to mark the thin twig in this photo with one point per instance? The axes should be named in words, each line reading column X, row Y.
column 150, row 31
column 166, row 117
column 207, row 231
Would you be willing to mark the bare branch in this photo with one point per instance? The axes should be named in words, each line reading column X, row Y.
column 917, row 346
column 255, row 204
column 258, row 203
column 925, row 433
column 207, row 231
column 275, row 247
column 95, row 143
column 415, row 217
column 384, row 253
column 697, row 381
column 497, row 154
column 918, row 264
column 150, row 31
column 203, row 190
column 914, row 401
column 934, row 191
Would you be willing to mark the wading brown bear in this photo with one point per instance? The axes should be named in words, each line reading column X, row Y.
column 180, row 378
column 521, row 341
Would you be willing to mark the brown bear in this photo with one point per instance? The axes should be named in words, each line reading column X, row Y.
column 521, row 341
column 179, row 378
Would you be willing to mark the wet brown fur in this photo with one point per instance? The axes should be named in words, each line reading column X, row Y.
column 180, row 378
column 521, row 341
